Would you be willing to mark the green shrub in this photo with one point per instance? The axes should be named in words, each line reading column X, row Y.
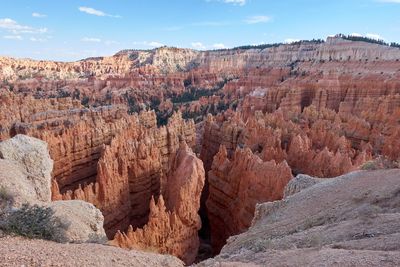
column 33, row 222
column 362, row 39
column 379, row 163
column 369, row 166
column 6, row 201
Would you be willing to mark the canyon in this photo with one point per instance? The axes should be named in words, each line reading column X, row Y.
column 179, row 148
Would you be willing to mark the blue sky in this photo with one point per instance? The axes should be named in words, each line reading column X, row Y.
column 74, row 29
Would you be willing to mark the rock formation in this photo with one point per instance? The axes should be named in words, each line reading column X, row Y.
column 345, row 220
column 236, row 186
column 301, row 182
column 174, row 221
column 132, row 169
column 33, row 159
column 313, row 142
column 290, row 76
column 83, row 221
column 61, row 123
column 25, row 176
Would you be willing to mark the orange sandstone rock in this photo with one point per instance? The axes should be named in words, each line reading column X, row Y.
column 236, row 185
column 174, row 221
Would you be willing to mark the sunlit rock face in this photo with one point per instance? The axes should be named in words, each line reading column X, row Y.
column 132, row 169
column 173, row 221
column 236, row 186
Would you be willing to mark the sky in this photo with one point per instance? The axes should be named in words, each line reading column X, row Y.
column 68, row 30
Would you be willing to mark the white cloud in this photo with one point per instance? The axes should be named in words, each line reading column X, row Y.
column 12, row 26
column 198, row 45
column 257, row 19
column 290, row 40
column 219, row 46
column 13, row 37
column 111, row 42
column 91, row 39
column 92, row 11
column 146, row 43
column 235, row 2
column 38, row 15
column 40, row 40
column 95, row 12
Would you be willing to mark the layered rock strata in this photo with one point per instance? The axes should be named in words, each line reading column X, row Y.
column 173, row 221
column 89, row 148
column 313, row 142
column 132, row 169
column 236, row 186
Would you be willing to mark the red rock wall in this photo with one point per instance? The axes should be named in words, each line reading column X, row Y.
column 132, row 169
column 236, row 185
column 174, row 221
column 101, row 155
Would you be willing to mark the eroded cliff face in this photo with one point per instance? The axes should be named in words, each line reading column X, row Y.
column 319, row 142
column 132, row 169
column 236, row 186
column 90, row 151
column 290, row 77
column 174, row 221
column 119, row 163
column 169, row 60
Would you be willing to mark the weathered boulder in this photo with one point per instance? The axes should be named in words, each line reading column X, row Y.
column 16, row 188
column 25, row 178
column 300, row 182
column 31, row 154
column 81, row 221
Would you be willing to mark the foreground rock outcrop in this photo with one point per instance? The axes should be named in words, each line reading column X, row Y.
column 33, row 157
column 83, row 222
column 349, row 220
column 25, row 178
column 174, row 221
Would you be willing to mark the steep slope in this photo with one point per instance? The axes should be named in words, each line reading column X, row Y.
column 173, row 222
column 236, row 186
column 352, row 219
